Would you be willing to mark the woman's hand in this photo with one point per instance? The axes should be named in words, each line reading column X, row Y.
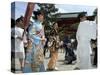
column 43, row 38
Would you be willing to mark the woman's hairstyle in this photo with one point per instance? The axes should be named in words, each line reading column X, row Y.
column 19, row 19
column 36, row 13
column 82, row 15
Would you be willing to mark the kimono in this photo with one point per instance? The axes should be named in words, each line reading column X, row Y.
column 35, row 57
column 53, row 50
column 86, row 31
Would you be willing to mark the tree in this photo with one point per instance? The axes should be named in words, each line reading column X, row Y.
column 95, row 12
column 50, row 15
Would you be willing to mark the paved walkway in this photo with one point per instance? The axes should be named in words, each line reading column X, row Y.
column 60, row 63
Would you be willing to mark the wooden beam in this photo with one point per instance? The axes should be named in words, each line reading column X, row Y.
column 28, row 14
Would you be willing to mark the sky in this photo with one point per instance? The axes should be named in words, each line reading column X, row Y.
column 20, row 8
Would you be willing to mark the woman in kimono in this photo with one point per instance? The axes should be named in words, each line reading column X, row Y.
column 36, row 35
column 86, row 31
column 54, row 48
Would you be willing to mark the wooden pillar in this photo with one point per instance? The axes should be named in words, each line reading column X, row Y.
column 28, row 14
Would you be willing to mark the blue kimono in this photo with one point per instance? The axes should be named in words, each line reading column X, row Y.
column 36, row 57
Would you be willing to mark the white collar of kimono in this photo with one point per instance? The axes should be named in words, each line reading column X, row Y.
column 38, row 21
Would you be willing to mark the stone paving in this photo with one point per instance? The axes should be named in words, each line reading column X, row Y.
column 60, row 63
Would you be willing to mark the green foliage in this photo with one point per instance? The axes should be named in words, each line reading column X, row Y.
column 50, row 15
column 95, row 12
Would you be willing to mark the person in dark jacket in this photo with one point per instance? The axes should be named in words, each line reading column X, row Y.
column 69, row 54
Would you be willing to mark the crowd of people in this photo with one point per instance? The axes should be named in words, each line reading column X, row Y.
column 30, row 46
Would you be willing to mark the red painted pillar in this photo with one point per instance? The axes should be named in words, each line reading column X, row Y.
column 28, row 14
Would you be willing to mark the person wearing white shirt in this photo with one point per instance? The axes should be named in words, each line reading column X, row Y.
column 18, row 44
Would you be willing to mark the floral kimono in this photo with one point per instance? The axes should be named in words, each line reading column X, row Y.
column 35, row 57
column 53, row 47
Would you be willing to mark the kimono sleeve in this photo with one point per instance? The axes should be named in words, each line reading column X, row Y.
column 33, row 35
column 93, row 30
column 77, row 33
